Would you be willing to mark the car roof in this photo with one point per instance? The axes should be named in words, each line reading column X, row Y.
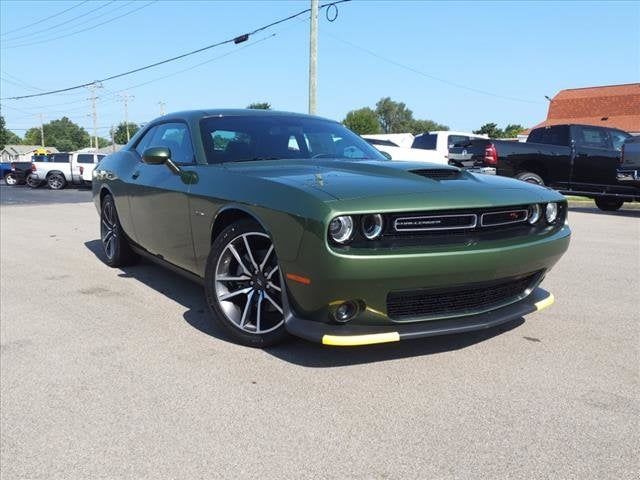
column 236, row 112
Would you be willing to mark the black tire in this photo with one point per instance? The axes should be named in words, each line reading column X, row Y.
column 56, row 181
column 260, row 296
column 608, row 204
column 10, row 179
column 115, row 244
column 33, row 182
column 530, row 177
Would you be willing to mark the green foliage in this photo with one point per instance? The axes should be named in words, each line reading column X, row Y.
column 512, row 130
column 259, row 106
column 103, row 142
column 394, row 117
column 492, row 130
column 422, row 126
column 7, row 137
column 62, row 134
column 362, row 121
column 120, row 132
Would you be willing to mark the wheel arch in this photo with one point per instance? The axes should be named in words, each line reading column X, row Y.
column 231, row 214
column 533, row 166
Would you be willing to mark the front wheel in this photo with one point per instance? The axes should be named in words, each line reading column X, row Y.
column 10, row 179
column 243, row 286
column 608, row 204
column 530, row 177
column 33, row 182
column 56, row 181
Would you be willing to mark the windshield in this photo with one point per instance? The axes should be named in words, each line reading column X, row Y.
column 277, row 137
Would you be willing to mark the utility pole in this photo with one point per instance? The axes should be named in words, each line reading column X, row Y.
column 113, row 141
column 125, row 98
column 94, row 111
column 313, row 57
column 162, row 104
column 42, row 130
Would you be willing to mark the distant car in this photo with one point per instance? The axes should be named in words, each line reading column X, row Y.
column 573, row 159
column 295, row 225
column 5, row 168
column 58, row 170
column 629, row 169
column 18, row 173
column 427, row 147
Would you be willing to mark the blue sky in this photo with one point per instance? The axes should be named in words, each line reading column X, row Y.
column 521, row 50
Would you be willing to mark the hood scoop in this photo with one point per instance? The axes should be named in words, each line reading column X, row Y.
column 438, row 173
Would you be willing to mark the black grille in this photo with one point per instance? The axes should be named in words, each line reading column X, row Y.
column 460, row 300
column 438, row 173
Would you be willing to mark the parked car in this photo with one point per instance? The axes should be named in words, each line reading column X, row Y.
column 426, row 147
column 5, row 168
column 629, row 169
column 18, row 173
column 58, row 170
column 295, row 225
column 574, row 159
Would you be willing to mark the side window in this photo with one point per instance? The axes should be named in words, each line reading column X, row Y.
column 100, row 157
column 59, row 158
column 593, row 138
column 618, row 138
column 85, row 158
column 458, row 141
column 175, row 136
column 143, row 143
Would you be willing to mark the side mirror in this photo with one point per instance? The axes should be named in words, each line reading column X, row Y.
column 156, row 155
column 160, row 156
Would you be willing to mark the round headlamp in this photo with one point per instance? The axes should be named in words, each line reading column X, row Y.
column 372, row 226
column 533, row 213
column 551, row 212
column 341, row 229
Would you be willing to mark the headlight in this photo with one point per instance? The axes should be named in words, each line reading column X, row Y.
column 341, row 229
column 551, row 212
column 533, row 214
column 372, row 226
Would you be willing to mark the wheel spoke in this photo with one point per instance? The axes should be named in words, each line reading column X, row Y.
column 246, row 244
column 236, row 255
column 270, row 274
column 241, row 278
column 109, row 247
column 274, row 286
column 247, row 307
column 266, row 257
column 227, row 296
column 258, row 309
column 272, row 301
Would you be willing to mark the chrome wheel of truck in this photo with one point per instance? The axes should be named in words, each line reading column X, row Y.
column 10, row 179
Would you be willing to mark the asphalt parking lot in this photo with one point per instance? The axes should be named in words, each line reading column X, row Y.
column 109, row 373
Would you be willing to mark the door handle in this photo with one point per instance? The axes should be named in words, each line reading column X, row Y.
column 136, row 174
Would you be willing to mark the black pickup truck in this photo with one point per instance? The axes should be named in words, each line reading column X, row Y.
column 18, row 174
column 573, row 159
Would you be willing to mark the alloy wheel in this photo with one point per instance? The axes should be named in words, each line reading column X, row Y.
column 247, row 284
column 108, row 230
column 55, row 182
column 10, row 179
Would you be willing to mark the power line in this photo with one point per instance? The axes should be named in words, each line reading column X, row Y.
column 432, row 77
column 236, row 40
column 51, row 27
column 45, row 19
column 87, row 28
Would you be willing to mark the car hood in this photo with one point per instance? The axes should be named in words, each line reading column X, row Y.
column 352, row 180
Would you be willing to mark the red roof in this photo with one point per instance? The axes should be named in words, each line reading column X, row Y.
column 615, row 106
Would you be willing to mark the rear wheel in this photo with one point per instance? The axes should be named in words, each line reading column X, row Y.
column 33, row 182
column 10, row 179
column 608, row 204
column 114, row 242
column 242, row 285
column 56, row 181
column 530, row 177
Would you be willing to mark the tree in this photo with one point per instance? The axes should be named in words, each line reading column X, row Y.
column 362, row 121
column 422, row 126
column 62, row 134
column 394, row 117
column 120, row 133
column 259, row 106
column 7, row 137
column 490, row 129
column 512, row 130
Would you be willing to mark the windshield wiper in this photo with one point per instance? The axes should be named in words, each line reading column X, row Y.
column 254, row 159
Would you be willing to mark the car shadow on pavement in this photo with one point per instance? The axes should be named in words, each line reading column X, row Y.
column 297, row 351
column 629, row 212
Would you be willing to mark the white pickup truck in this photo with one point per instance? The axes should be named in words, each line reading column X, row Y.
column 58, row 170
column 427, row 147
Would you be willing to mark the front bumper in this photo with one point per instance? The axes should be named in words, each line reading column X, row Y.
column 628, row 175
column 353, row 335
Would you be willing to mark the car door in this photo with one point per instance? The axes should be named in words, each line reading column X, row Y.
column 595, row 161
column 159, row 201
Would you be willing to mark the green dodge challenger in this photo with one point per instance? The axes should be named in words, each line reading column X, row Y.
column 295, row 225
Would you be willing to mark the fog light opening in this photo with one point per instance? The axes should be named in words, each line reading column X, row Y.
column 346, row 311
